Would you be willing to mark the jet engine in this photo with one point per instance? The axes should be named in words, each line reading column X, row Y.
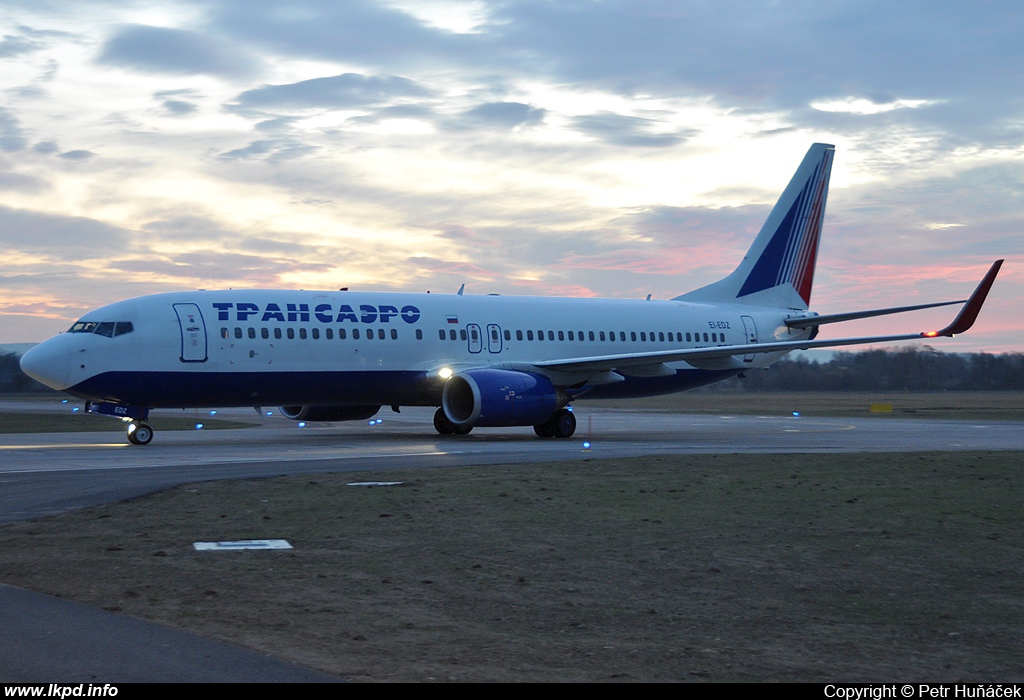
column 497, row 397
column 329, row 413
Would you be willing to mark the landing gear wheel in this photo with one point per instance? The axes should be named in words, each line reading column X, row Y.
column 446, row 427
column 442, row 424
column 560, row 425
column 563, row 424
column 140, row 433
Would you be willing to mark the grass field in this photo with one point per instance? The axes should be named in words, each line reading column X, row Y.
column 900, row 567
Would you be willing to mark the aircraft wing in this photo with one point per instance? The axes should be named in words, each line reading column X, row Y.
column 963, row 321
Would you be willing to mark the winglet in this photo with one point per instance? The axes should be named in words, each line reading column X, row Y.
column 965, row 319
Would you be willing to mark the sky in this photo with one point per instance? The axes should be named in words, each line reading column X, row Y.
column 567, row 148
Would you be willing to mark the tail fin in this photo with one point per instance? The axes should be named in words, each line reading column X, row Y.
column 778, row 270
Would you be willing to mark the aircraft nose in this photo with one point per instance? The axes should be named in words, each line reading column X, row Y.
column 49, row 362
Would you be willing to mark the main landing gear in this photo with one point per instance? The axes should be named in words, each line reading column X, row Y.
column 140, row 433
column 561, row 425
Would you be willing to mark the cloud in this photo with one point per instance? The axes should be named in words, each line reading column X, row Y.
column 77, row 154
column 60, row 237
column 623, row 130
column 179, row 108
column 11, row 138
column 353, row 32
column 346, row 91
column 175, row 51
column 27, row 40
column 274, row 150
column 501, row 115
column 46, row 147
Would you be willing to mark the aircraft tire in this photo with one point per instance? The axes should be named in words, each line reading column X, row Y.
column 441, row 423
column 543, row 430
column 563, row 424
column 140, row 433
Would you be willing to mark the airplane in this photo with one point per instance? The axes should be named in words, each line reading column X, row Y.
column 483, row 360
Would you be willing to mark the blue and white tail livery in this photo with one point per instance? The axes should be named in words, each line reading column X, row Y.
column 483, row 360
column 778, row 270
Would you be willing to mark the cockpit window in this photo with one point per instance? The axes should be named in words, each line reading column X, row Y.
column 105, row 328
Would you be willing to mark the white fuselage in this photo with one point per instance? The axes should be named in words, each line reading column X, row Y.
column 264, row 347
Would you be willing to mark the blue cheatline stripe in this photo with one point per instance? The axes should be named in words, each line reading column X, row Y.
column 225, row 389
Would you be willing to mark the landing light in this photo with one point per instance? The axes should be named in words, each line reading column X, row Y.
column 931, row 334
column 213, row 413
column 199, row 426
column 445, row 373
column 75, row 409
column 302, row 424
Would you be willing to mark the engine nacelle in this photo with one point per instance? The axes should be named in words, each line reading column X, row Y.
column 329, row 413
column 498, row 397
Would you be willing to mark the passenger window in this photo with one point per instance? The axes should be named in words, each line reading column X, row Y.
column 643, row 336
column 632, row 336
column 714, row 337
column 238, row 333
column 265, row 333
column 252, row 333
column 572, row 336
column 223, row 333
column 508, row 335
column 529, row 335
column 355, row 334
column 687, row 337
column 551, row 335
column 291, row 334
column 661, row 337
column 277, row 333
column 342, row 334
column 519, row 335
column 316, row 334
column 540, row 335
column 602, row 335
column 591, row 334
column 330, row 333
column 441, row 334
column 705, row 337
column 419, row 334
column 622, row 336
column 302, row 334
column 462, row 334
column 394, row 334
column 380, row 333
column 451, row 334
column 369, row 334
